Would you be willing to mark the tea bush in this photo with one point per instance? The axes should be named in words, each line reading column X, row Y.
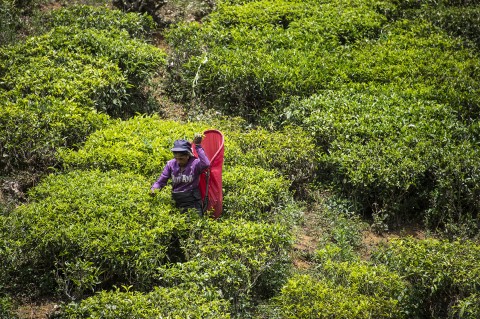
column 248, row 56
column 35, row 128
column 369, row 280
column 53, row 83
column 87, row 229
column 261, row 54
column 290, row 150
column 454, row 201
column 468, row 308
column 141, row 145
column 394, row 155
column 417, row 58
column 135, row 60
column 444, row 275
column 304, row 296
column 242, row 259
column 191, row 302
column 100, row 18
column 255, row 194
column 461, row 21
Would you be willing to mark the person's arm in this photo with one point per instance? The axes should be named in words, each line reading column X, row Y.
column 204, row 161
column 161, row 182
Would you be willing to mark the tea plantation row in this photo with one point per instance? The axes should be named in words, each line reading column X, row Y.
column 383, row 111
column 390, row 94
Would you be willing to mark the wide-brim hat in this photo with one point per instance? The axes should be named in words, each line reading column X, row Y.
column 182, row 146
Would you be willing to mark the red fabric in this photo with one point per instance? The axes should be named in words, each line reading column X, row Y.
column 213, row 144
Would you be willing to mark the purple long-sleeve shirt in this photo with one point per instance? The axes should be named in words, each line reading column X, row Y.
column 186, row 180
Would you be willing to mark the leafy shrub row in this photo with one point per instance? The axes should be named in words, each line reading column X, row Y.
column 393, row 153
column 241, row 259
column 71, row 50
column 35, row 127
column 191, row 302
column 247, row 56
column 84, row 231
column 54, row 85
column 370, row 280
column 457, row 17
column 290, row 151
column 142, row 145
column 461, row 21
column 101, row 18
column 420, row 59
column 406, row 278
column 256, row 194
column 304, row 296
column 260, row 55
column 88, row 229
column 444, row 276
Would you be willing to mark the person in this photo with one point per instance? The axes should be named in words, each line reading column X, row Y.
column 184, row 170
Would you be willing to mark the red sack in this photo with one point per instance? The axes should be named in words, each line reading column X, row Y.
column 211, row 181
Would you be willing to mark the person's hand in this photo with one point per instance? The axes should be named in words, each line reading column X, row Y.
column 197, row 139
column 152, row 192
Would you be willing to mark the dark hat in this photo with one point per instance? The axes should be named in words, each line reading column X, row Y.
column 182, row 146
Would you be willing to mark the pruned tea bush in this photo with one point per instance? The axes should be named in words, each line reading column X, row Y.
column 100, row 18
column 248, row 56
column 394, row 154
column 240, row 258
column 142, row 145
column 35, row 128
column 305, row 296
column 51, row 85
column 256, row 194
column 417, row 58
column 444, row 275
column 468, row 308
column 68, row 51
column 88, row 229
column 190, row 302
column 290, row 151
column 369, row 280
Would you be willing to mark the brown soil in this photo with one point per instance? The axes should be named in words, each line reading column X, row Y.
column 41, row 310
column 307, row 240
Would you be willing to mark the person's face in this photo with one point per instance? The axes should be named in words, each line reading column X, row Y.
column 181, row 158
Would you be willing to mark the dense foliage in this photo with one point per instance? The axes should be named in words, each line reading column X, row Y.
column 190, row 302
column 359, row 108
column 243, row 58
column 100, row 227
column 57, row 88
column 396, row 130
column 444, row 276
column 395, row 155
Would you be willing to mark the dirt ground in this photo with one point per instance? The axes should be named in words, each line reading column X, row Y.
column 41, row 310
column 308, row 239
